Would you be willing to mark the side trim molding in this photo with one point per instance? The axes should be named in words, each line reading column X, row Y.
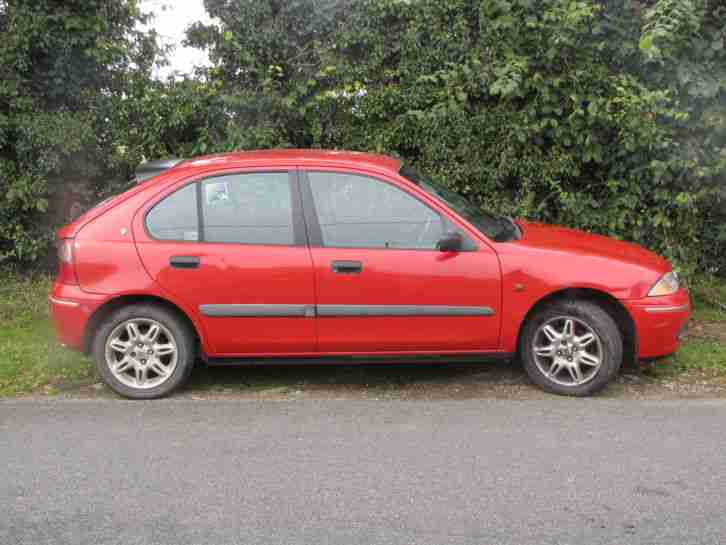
column 401, row 310
column 259, row 311
column 340, row 311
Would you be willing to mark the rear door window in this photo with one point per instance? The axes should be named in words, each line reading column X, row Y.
column 249, row 208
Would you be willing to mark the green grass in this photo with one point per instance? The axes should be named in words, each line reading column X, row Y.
column 700, row 355
column 709, row 299
column 32, row 362
column 705, row 312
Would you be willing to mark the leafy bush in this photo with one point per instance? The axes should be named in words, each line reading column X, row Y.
column 57, row 61
column 603, row 115
column 608, row 115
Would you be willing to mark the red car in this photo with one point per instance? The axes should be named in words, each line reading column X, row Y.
column 319, row 256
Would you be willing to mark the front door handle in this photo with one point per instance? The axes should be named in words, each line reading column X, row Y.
column 184, row 261
column 347, row 267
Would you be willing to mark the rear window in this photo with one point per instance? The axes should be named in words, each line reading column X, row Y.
column 176, row 217
column 249, row 208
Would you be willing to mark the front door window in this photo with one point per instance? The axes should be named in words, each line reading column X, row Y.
column 356, row 211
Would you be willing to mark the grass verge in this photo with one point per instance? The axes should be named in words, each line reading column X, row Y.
column 697, row 359
column 31, row 361
column 709, row 300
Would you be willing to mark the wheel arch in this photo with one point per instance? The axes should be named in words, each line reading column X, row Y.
column 616, row 310
column 121, row 301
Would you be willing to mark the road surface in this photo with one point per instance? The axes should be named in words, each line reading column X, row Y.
column 183, row 471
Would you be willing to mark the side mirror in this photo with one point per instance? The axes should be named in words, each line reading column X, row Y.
column 450, row 242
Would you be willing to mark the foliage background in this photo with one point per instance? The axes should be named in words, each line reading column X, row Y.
column 607, row 115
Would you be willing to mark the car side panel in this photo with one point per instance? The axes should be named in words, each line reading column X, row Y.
column 386, row 305
column 231, row 274
column 105, row 255
column 660, row 321
column 417, row 279
column 71, row 308
column 529, row 275
column 246, row 281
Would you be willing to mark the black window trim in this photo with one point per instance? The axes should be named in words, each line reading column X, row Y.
column 315, row 233
column 300, row 237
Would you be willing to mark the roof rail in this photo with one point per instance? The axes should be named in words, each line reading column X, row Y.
column 151, row 168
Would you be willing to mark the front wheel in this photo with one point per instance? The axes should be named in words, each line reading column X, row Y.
column 144, row 351
column 571, row 348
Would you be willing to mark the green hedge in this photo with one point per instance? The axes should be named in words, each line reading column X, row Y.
column 605, row 115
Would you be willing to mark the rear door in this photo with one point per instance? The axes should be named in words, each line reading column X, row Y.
column 233, row 248
column 382, row 285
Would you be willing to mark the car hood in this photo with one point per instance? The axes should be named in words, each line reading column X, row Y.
column 574, row 242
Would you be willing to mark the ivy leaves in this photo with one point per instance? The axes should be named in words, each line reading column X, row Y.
column 605, row 115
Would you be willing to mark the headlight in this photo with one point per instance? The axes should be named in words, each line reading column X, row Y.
column 667, row 285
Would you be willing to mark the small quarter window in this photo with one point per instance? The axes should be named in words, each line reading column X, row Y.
column 175, row 217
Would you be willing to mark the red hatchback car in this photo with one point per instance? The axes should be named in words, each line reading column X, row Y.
column 319, row 256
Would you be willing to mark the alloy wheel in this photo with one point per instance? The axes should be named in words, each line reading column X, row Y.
column 141, row 353
column 567, row 351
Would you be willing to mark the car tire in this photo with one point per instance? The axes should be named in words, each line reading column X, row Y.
column 165, row 343
column 560, row 344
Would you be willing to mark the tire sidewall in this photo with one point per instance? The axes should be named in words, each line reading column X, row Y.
column 600, row 322
column 182, row 336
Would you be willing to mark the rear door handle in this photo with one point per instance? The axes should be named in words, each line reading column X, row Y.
column 184, row 261
column 347, row 267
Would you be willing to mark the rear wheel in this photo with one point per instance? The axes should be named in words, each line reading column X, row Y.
column 144, row 351
column 571, row 347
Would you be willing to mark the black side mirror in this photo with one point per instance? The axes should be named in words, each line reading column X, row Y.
column 450, row 242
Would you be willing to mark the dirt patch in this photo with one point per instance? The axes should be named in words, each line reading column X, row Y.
column 418, row 382
column 707, row 331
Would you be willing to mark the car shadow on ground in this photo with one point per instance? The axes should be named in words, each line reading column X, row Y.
column 410, row 380
column 497, row 380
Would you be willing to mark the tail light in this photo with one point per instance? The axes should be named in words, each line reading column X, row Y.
column 66, row 266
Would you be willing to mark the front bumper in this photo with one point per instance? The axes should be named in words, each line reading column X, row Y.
column 71, row 308
column 660, row 322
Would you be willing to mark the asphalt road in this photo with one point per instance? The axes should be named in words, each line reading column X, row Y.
column 363, row 472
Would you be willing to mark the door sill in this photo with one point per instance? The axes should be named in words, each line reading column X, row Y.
column 483, row 357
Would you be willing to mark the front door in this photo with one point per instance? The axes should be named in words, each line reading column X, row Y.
column 382, row 285
column 233, row 249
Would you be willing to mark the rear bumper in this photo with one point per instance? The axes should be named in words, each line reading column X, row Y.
column 659, row 323
column 70, row 308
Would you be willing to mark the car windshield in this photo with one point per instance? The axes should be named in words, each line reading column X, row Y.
column 496, row 227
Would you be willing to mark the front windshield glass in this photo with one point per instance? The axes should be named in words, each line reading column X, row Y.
column 496, row 227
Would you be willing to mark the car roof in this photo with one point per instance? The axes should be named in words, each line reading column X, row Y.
column 298, row 157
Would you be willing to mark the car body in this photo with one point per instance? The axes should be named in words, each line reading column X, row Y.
column 311, row 255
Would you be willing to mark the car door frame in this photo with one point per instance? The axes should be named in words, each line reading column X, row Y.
column 310, row 214
column 300, row 231
column 477, row 242
column 300, row 236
